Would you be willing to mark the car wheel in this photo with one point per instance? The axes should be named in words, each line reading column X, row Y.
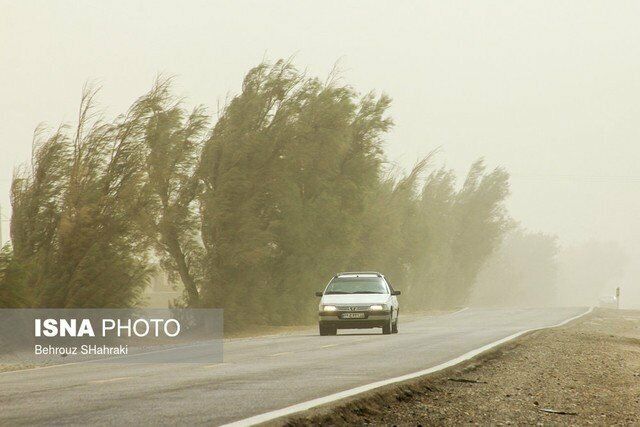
column 394, row 328
column 387, row 327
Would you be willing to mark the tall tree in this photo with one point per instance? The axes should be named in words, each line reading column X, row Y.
column 75, row 227
column 286, row 171
column 174, row 140
column 480, row 221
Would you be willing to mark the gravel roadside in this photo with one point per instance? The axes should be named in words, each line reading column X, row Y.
column 587, row 372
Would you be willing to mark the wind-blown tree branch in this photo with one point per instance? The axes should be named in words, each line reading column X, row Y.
column 286, row 171
column 480, row 221
column 242, row 168
column 75, row 220
column 435, row 220
column 392, row 238
column 174, row 142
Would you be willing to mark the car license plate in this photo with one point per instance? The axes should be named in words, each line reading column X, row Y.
column 352, row 315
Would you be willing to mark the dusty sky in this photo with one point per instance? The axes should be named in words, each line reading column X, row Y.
column 548, row 89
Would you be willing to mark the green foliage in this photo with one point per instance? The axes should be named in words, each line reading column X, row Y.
column 432, row 243
column 74, row 226
column 289, row 186
column 286, row 173
column 12, row 291
column 174, row 140
column 296, row 189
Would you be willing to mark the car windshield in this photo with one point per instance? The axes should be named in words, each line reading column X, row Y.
column 356, row 285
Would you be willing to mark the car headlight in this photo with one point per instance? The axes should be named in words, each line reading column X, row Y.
column 377, row 307
column 329, row 308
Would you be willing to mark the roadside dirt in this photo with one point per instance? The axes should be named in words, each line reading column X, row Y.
column 587, row 372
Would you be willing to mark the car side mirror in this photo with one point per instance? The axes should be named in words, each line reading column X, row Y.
column 396, row 293
column 318, row 294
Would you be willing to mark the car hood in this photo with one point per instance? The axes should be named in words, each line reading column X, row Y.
column 355, row 299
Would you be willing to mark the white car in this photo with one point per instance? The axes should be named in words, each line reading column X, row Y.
column 356, row 300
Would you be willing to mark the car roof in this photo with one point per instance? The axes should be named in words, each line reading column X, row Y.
column 359, row 274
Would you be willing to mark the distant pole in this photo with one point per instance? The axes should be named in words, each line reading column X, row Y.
column 618, row 297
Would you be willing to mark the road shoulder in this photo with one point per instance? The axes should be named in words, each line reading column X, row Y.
column 585, row 372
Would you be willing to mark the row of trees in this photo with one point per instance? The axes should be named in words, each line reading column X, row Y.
column 251, row 214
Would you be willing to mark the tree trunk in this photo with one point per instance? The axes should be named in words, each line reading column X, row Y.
column 175, row 251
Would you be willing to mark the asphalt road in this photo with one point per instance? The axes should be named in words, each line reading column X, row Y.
column 258, row 375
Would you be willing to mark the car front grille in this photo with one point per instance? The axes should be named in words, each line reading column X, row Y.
column 353, row 307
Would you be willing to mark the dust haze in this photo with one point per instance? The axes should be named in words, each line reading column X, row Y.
column 545, row 92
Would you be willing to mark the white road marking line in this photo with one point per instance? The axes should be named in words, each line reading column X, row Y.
column 459, row 311
column 328, row 345
column 268, row 416
column 110, row 380
column 281, row 354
